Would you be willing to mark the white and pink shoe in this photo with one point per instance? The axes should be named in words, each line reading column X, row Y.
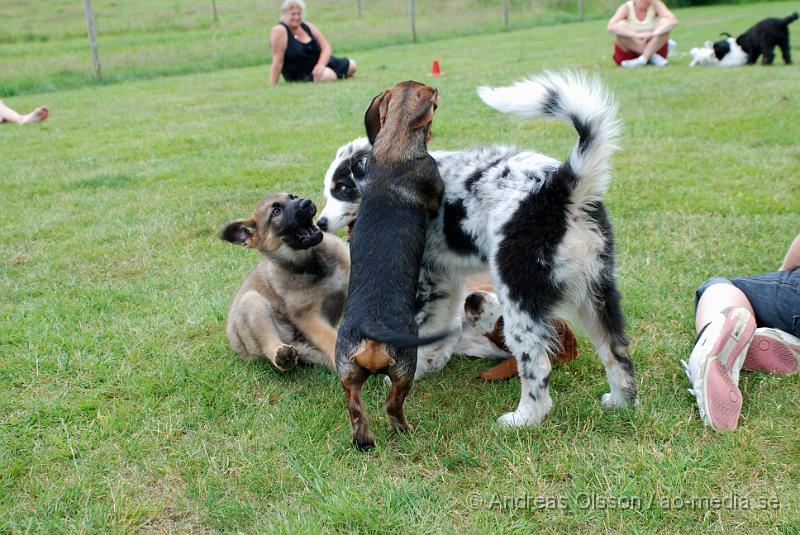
column 773, row 351
column 714, row 366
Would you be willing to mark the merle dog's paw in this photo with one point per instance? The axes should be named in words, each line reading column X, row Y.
column 286, row 358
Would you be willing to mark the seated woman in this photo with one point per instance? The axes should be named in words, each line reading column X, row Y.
column 642, row 29
column 300, row 51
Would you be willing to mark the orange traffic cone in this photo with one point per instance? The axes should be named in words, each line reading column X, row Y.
column 436, row 70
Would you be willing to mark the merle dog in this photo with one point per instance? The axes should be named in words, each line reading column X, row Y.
column 538, row 224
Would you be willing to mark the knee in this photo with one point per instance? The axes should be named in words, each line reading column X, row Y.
column 351, row 69
column 709, row 283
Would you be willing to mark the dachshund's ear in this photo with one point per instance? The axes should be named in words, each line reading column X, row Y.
column 427, row 102
column 376, row 113
column 239, row 232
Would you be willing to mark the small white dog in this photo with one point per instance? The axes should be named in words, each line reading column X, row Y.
column 703, row 55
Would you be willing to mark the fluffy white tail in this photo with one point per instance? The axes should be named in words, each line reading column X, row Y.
column 581, row 101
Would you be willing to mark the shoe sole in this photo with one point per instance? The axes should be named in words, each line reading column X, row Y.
column 723, row 400
column 734, row 338
column 767, row 354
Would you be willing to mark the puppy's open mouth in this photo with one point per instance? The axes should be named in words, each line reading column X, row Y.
column 304, row 237
column 311, row 233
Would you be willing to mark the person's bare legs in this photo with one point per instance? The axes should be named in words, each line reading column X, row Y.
column 351, row 68
column 8, row 115
column 629, row 44
column 654, row 44
column 327, row 76
column 714, row 299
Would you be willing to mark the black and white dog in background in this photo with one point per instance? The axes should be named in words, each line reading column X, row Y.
column 760, row 39
column 540, row 227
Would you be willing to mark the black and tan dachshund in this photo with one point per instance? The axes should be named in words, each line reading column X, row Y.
column 401, row 191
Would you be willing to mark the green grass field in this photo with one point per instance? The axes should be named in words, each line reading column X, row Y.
column 122, row 407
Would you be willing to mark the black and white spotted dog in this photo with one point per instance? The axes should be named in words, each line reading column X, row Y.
column 539, row 225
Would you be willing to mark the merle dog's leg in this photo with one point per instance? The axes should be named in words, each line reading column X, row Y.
column 353, row 378
column 602, row 320
column 530, row 340
column 785, row 49
column 439, row 301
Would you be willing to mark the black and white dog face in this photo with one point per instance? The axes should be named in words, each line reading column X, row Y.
column 729, row 53
column 342, row 196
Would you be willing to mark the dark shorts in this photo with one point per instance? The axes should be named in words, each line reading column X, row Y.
column 775, row 297
column 621, row 55
column 337, row 65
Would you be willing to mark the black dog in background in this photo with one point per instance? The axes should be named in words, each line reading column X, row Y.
column 762, row 39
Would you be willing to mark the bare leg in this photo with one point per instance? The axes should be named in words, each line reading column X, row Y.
column 351, row 69
column 714, row 299
column 654, row 44
column 8, row 115
column 327, row 76
column 629, row 44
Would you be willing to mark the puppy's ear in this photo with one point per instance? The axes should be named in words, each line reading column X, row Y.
column 376, row 113
column 239, row 232
column 428, row 101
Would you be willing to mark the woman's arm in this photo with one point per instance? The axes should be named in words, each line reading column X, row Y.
column 618, row 24
column 325, row 54
column 278, row 39
column 792, row 260
column 666, row 19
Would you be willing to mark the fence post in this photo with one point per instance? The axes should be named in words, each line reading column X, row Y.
column 505, row 13
column 214, row 10
column 87, row 11
column 580, row 9
column 413, row 22
column 358, row 2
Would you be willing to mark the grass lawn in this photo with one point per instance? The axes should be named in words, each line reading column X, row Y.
column 123, row 408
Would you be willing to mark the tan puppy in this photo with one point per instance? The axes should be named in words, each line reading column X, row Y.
column 287, row 308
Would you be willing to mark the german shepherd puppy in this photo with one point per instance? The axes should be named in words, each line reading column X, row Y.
column 287, row 307
column 401, row 191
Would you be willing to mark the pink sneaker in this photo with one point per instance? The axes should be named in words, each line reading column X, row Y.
column 714, row 365
column 773, row 351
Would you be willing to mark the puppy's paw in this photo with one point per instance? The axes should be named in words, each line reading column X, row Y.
column 286, row 358
column 618, row 401
column 514, row 419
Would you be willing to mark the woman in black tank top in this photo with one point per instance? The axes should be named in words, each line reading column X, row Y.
column 300, row 51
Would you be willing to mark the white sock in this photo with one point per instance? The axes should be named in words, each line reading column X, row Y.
column 658, row 60
column 632, row 63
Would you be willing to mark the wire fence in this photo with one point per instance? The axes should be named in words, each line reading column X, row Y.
column 44, row 46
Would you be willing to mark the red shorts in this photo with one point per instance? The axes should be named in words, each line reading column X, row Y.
column 621, row 55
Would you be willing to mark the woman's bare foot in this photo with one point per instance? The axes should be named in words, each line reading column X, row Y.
column 36, row 116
